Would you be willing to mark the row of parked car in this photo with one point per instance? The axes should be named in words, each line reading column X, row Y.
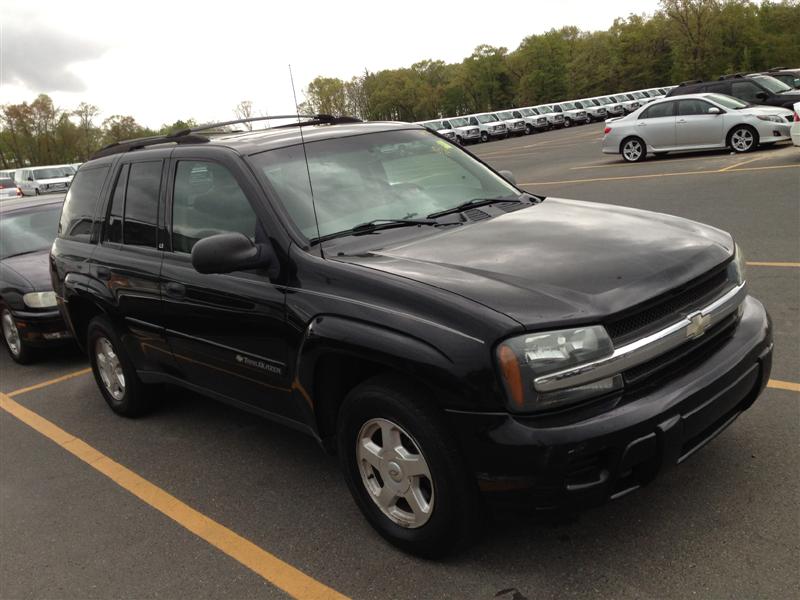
column 768, row 88
column 32, row 181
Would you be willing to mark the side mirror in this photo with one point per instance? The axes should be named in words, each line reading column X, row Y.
column 761, row 95
column 714, row 111
column 30, row 177
column 508, row 176
column 227, row 252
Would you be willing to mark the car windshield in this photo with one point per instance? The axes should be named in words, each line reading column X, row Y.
column 506, row 114
column 654, row 92
column 435, row 125
column 605, row 100
column 568, row 106
column 27, row 231
column 49, row 173
column 403, row 174
column 528, row 112
column 6, row 182
column 545, row 108
column 487, row 118
column 638, row 95
column 727, row 101
column 458, row 122
column 619, row 98
column 773, row 85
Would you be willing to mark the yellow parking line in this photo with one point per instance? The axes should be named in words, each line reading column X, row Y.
column 783, row 385
column 667, row 161
column 773, row 264
column 744, row 162
column 280, row 574
column 49, row 382
column 657, row 175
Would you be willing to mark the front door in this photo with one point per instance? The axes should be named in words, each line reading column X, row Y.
column 696, row 127
column 226, row 331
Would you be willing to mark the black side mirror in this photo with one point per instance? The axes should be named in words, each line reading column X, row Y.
column 227, row 252
column 508, row 176
column 30, row 177
column 761, row 95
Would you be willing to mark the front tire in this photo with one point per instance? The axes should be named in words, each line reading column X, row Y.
column 528, row 129
column 17, row 348
column 742, row 139
column 404, row 469
column 459, row 140
column 114, row 371
column 567, row 122
column 633, row 149
column 484, row 136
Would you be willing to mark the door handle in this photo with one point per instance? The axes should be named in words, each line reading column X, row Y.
column 103, row 273
column 681, row 120
column 176, row 290
column 640, row 124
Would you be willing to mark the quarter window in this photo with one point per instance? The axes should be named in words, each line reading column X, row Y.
column 207, row 200
column 114, row 224
column 662, row 109
column 77, row 217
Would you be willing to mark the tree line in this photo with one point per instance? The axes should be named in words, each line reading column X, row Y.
column 684, row 39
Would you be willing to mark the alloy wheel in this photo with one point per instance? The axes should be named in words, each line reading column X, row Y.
column 11, row 333
column 395, row 473
column 742, row 140
column 109, row 368
column 632, row 150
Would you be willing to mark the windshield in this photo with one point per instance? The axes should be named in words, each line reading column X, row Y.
column 49, row 173
column 28, row 231
column 486, row 118
column 459, row 122
column 568, row 106
column 506, row 114
column 620, row 98
column 604, row 100
column 528, row 112
column 435, row 125
column 727, row 101
column 545, row 108
column 389, row 175
column 637, row 95
column 773, row 85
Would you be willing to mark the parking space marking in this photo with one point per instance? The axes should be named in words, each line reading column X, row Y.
column 49, row 382
column 783, row 385
column 739, row 164
column 664, row 161
column 277, row 572
column 657, row 175
column 772, row 264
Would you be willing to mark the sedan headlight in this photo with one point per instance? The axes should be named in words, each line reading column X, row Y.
column 772, row 118
column 40, row 299
column 522, row 359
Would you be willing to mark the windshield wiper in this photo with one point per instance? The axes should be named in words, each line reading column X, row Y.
column 475, row 202
column 374, row 225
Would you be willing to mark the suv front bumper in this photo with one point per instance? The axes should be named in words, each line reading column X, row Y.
column 563, row 461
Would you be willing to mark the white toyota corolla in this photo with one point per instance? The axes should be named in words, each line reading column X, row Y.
column 695, row 122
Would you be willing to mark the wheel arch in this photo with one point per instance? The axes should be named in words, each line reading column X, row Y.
column 733, row 128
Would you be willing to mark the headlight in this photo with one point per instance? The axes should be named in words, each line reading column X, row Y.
column 773, row 118
column 736, row 269
column 522, row 359
column 40, row 299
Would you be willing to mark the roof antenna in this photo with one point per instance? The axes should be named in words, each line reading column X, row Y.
column 305, row 155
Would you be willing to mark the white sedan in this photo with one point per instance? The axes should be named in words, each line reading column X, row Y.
column 695, row 122
column 795, row 130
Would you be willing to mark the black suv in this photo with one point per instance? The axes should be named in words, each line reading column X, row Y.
column 383, row 290
column 755, row 89
column 790, row 77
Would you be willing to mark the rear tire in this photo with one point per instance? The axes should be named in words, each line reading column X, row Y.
column 420, row 461
column 742, row 139
column 633, row 149
column 18, row 349
column 114, row 371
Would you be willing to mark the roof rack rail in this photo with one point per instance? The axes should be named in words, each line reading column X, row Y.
column 690, row 82
column 777, row 69
column 732, row 76
column 183, row 136
column 311, row 120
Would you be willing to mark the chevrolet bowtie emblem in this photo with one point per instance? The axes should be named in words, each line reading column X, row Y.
column 698, row 323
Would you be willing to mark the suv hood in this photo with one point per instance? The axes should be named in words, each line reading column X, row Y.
column 560, row 261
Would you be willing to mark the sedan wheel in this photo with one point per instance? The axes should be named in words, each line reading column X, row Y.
column 633, row 150
column 11, row 334
column 742, row 139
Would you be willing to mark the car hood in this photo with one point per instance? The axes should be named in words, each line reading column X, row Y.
column 559, row 261
column 468, row 129
column 765, row 110
column 34, row 268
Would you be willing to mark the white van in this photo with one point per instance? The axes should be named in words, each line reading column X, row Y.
column 44, row 180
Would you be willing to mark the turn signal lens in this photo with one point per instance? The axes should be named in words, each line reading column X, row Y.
column 512, row 377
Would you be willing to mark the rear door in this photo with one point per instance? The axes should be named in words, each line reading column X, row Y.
column 227, row 331
column 656, row 125
column 696, row 127
column 127, row 260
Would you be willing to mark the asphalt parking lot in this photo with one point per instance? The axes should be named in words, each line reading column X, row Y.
column 202, row 500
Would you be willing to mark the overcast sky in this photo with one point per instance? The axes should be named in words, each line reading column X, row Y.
column 167, row 60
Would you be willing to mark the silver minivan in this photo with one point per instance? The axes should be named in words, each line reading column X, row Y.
column 44, row 180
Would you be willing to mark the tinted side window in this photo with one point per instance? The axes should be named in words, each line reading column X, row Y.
column 77, row 217
column 473, row 121
column 663, row 109
column 746, row 90
column 693, row 107
column 114, row 226
column 207, row 200
column 141, row 204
